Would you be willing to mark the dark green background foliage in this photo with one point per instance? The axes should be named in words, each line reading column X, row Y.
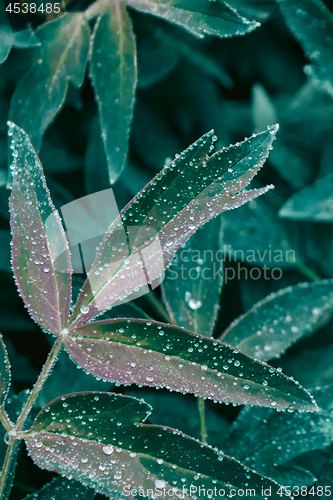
column 279, row 72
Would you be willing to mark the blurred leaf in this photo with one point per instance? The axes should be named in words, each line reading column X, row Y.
column 263, row 109
column 4, row 372
column 312, row 24
column 114, row 76
column 57, row 160
column 313, row 203
column 260, row 10
column 22, row 370
column 119, row 450
column 326, row 161
column 266, row 440
column 199, row 17
column 95, row 178
column 45, row 291
column 269, row 243
column 5, row 238
column 160, row 355
column 193, row 301
column 62, row 59
column 190, row 191
column 62, row 488
column 282, row 318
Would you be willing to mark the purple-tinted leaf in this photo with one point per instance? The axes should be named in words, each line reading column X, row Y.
column 159, row 355
column 4, row 372
column 186, row 194
column 98, row 439
column 282, row 318
column 45, row 291
column 193, row 283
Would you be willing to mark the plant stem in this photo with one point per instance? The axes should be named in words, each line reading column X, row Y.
column 96, row 9
column 5, row 420
column 308, row 272
column 7, row 463
column 50, row 362
column 158, row 306
column 203, row 430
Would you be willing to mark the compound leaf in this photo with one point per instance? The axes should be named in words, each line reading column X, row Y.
column 193, row 283
column 100, row 440
column 160, row 355
column 114, row 76
column 280, row 319
column 38, row 239
column 189, row 192
column 199, row 17
column 62, row 59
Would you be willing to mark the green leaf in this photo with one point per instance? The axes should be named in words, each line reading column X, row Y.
column 190, row 191
column 114, row 76
column 198, row 17
column 98, row 439
column 313, row 203
column 5, row 238
column 38, row 239
column 62, row 488
column 263, row 109
column 62, row 60
column 4, row 372
column 282, row 318
column 268, row 243
column 312, row 24
column 193, row 283
column 160, row 355
column 265, row 440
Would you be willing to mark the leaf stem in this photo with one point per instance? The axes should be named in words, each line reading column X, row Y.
column 5, row 420
column 12, row 443
column 308, row 272
column 49, row 364
column 203, row 429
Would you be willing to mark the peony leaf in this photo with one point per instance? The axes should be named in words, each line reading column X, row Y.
column 189, row 192
column 160, row 355
column 45, row 291
column 100, row 440
column 282, row 318
column 114, row 76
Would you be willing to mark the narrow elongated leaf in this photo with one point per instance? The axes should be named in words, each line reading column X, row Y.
column 4, row 372
column 279, row 320
column 62, row 488
column 313, row 203
column 42, row 91
column 114, row 76
column 312, row 24
column 98, row 438
column 190, row 191
column 199, row 17
column 160, row 355
column 45, row 291
column 193, row 283
column 250, row 439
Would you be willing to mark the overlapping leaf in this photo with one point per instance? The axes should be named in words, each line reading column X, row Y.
column 313, row 203
column 62, row 59
column 62, row 488
column 312, row 24
column 190, row 191
column 159, row 355
column 250, row 439
column 98, row 438
column 199, row 17
column 4, row 372
column 114, row 76
column 193, row 283
column 45, row 290
column 280, row 319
